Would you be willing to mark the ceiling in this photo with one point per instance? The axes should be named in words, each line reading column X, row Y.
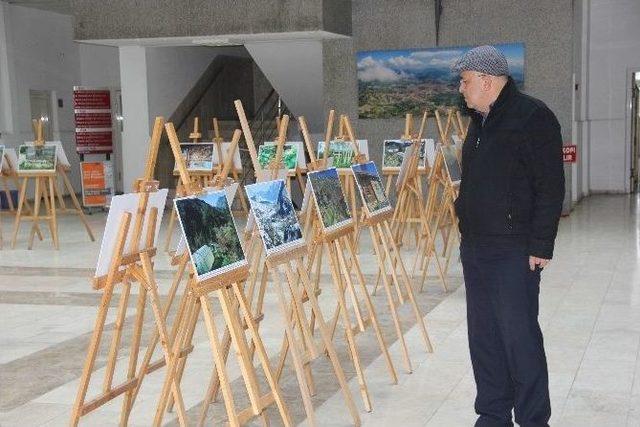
column 59, row 6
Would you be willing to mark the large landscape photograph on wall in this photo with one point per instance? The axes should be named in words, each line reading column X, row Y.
column 392, row 83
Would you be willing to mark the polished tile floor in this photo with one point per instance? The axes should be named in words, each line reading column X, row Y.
column 590, row 315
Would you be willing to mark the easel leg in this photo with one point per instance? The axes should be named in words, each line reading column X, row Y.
column 355, row 357
column 36, row 212
column 408, row 288
column 373, row 316
column 220, row 365
column 117, row 335
column 294, row 349
column 391, row 301
column 21, row 200
column 324, row 333
column 53, row 220
column 76, row 204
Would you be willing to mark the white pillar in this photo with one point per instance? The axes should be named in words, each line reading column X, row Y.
column 135, row 111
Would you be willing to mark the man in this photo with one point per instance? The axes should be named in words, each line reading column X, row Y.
column 509, row 206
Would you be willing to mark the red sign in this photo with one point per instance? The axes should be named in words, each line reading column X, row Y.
column 569, row 153
column 92, row 111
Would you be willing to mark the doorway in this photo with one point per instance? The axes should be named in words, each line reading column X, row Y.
column 41, row 109
column 635, row 132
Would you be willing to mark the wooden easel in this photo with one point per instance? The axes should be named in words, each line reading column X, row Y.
column 44, row 182
column 235, row 311
column 124, row 269
column 345, row 133
column 409, row 209
column 255, row 257
column 303, row 355
column 199, row 178
column 437, row 205
column 343, row 261
column 77, row 207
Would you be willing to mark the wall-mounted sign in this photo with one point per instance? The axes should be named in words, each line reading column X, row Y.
column 92, row 112
column 97, row 183
column 569, row 153
column 392, row 83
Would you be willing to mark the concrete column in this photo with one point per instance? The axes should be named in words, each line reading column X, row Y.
column 135, row 109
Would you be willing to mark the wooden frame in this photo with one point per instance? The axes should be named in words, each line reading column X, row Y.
column 124, row 269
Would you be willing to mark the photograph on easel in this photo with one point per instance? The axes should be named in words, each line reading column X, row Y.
column 211, row 233
column 451, row 163
column 404, row 167
column 275, row 215
column 393, row 152
column 37, row 158
column 267, row 154
column 61, row 155
column 330, row 200
column 198, row 156
column 371, row 188
column 342, row 152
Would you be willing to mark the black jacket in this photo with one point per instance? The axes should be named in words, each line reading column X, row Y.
column 512, row 173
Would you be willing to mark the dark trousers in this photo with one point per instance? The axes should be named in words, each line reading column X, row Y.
column 507, row 351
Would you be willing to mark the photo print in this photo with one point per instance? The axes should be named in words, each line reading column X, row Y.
column 342, row 153
column 404, row 167
column 37, row 158
column 267, row 154
column 330, row 201
column 371, row 188
column 393, row 152
column 275, row 215
column 451, row 163
column 198, row 156
column 392, row 83
column 211, row 233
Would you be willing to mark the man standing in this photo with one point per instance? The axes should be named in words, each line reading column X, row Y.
column 509, row 206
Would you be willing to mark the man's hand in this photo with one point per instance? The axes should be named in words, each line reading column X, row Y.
column 534, row 260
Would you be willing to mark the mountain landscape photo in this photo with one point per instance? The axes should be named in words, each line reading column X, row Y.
column 210, row 232
column 392, row 83
column 274, row 212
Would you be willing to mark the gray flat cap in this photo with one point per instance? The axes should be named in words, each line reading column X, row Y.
column 483, row 59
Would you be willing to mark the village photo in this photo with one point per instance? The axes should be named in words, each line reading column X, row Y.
column 37, row 158
column 371, row 188
column 393, row 152
column 198, row 156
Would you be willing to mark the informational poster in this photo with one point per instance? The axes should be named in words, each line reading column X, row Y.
column 569, row 153
column 92, row 112
column 97, row 183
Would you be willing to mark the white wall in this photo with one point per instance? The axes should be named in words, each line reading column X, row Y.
column 171, row 73
column 41, row 55
column 37, row 51
column 135, row 109
column 612, row 53
column 295, row 69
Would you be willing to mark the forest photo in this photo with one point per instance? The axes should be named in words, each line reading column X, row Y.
column 211, row 234
column 327, row 190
